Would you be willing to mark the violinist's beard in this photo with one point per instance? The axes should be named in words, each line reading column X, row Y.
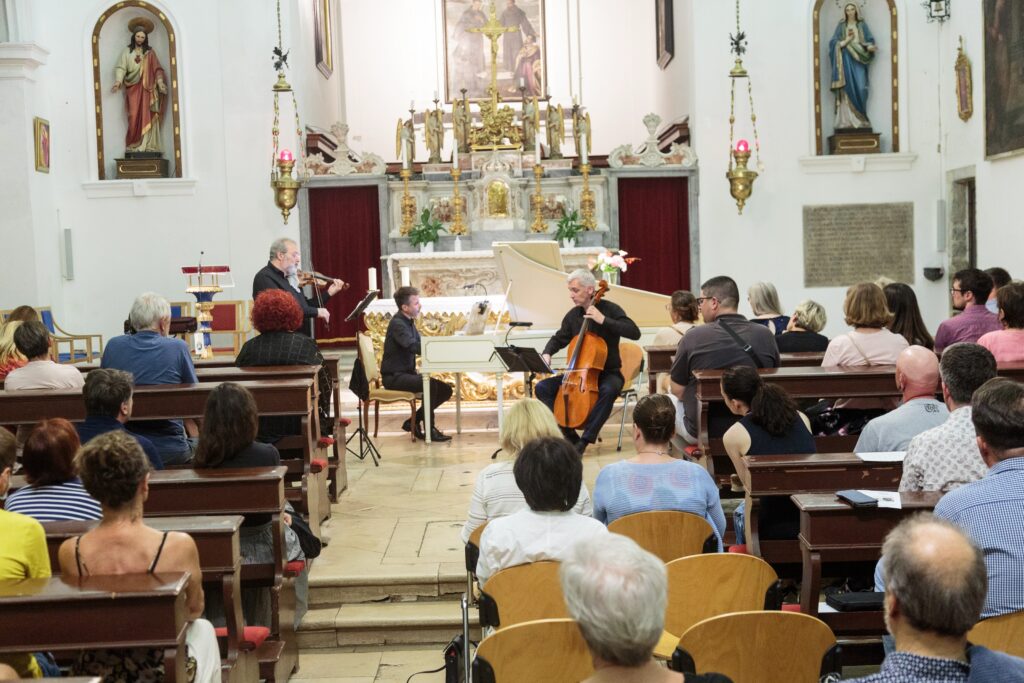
column 292, row 270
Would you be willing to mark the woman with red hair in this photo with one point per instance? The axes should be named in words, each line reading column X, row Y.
column 277, row 317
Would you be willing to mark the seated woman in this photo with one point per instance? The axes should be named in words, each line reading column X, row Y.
column 652, row 479
column 495, row 493
column 549, row 472
column 276, row 316
column 764, row 302
column 801, row 333
column 10, row 357
column 770, row 425
column 115, row 472
column 684, row 313
column 906, row 315
column 228, row 440
column 1007, row 345
column 54, row 492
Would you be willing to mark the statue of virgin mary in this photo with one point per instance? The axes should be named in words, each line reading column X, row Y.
column 851, row 49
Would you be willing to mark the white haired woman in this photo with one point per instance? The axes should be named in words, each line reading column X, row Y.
column 764, row 302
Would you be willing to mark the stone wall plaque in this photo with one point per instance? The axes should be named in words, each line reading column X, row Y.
column 849, row 243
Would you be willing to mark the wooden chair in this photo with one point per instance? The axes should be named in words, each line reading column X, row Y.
column 526, row 592
column 632, row 367
column 1004, row 633
column 669, row 534
column 705, row 586
column 229, row 319
column 542, row 650
column 87, row 352
column 378, row 394
column 768, row 647
column 472, row 556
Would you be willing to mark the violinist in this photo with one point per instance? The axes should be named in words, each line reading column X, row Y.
column 282, row 272
column 610, row 323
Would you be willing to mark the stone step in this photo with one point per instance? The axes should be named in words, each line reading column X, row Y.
column 384, row 623
column 327, row 589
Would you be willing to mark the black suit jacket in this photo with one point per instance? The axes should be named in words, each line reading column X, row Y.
column 270, row 277
column 401, row 346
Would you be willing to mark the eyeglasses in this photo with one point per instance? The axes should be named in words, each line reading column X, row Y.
column 954, row 290
column 702, row 299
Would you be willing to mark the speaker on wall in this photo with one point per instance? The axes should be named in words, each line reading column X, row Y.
column 67, row 261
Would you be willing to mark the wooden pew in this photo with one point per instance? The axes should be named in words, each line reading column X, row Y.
column 659, row 359
column 98, row 612
column 220, row 561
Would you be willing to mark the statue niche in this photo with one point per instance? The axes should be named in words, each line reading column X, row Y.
column 497, row 196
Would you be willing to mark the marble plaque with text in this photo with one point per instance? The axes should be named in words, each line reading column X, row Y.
column 849, row 243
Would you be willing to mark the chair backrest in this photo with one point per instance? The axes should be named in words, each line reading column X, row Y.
column 46, row 315
column 522, row 593
column 1004, row 633
column 767, row 647
column 473, row 548
column 181, row 309
column 632, row 362
column 368, row 358
column 669, row 534
column 227, row 316
column 542, row 650
column 705, row 586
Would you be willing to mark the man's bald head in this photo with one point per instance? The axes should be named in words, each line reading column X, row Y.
column 935, row 577
column 917, row 372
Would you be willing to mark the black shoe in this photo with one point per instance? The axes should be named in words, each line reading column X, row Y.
column 406, row 426
column 418, row 432
column 436, row 435
column 581, row 446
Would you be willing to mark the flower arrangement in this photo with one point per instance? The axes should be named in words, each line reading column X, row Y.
column 569, row 227
column 427, row 231
column 613, row 261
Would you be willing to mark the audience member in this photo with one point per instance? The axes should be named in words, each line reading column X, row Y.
column 803, row 331
column 764, row 302
column 726, row 340
column 917, row 377
column 10, row 357
column 1007, row 345
column 947, row 456
column 770, row 424
column 549, row 472
column 277, row 317
column 653, row 480
column 906, row 315
column 32, row 340
column 8, row 673
column 935, row 584
column 23, row 313
column 23, row 553
column 108, row 406
column 495, row 493
column 684, row 313
column 617, row 593
column 970, row 291
column 1000, row 278
column 54, row 492
column 154, row 358
column 115, row 471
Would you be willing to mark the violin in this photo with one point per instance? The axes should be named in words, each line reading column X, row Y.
column 316, row 279
column 587, row 355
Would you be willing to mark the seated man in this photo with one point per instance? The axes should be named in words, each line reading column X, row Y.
column 154, row 358
column 934, row 590
column 32, row 340
column 970, row 291
column 726, row 340
column 917, row 376
column 947, row 456
column 108, row 406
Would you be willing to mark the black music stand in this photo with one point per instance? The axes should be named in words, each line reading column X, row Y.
column 525, row 360
column 366, row 445
column 361, row 306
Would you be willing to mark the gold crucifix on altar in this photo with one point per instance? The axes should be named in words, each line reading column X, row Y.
column 498, row 123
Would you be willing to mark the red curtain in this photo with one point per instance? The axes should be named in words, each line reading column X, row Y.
column 345, row 235
column 654, row 225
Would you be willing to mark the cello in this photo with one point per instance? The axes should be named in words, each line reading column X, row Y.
column 587, row 355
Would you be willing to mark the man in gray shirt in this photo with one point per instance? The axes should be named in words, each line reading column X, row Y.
column 917, row 376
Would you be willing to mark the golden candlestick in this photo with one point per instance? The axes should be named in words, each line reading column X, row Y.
column 408, row 203
column 539, row 224
column 458, row 226
column 587, row 201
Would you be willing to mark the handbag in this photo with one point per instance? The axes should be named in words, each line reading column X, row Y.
column 308, row 541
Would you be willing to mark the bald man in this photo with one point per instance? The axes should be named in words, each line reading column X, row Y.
column 935, row 587
column 917, row 376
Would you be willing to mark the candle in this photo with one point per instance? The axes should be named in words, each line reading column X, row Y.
column 742, row 146
column 435, row 96
column 522, row 83
column 455, row 158
column 536, row 151
column 372, row 280
column 575, row 102
column 412, row 105
column 405, row 156
column 583, row 148
column 405, row 275
column 286, row 155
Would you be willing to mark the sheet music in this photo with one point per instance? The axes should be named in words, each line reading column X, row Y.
column 882, row 456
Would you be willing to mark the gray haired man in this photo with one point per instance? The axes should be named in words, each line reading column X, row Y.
column 279, row 273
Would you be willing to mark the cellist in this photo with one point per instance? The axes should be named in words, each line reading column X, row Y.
column 609, row 322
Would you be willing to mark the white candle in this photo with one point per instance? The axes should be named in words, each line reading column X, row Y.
column 405, row 275
column 412, row 105
column 405, row 155
column 372, row 280
column 536, row 151
column 583, row 148
column 435, row 95
column 575, row 101
column 455, row 158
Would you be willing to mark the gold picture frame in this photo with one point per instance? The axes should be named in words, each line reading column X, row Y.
column 41, row 135
column 964, row 84
column 323, row 37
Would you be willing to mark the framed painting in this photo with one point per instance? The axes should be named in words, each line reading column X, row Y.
column 665, row 32
column 1004, row 80
column 323, row 36
column 521, row 50
column 41, row 130
column 964, row 86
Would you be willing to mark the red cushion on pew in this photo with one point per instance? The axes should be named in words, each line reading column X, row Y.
column 252, row 636
column 294, row 568
column 791, row 607
column 692, row 451
column 345, row 421
column 739, row 549
column 317, row 465
column 325, row 441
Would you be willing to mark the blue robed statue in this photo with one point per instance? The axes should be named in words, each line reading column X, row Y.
column 852, row 49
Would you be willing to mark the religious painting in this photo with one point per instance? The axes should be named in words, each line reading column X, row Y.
column 42, row 144
column 964, row 86
column 518, row 51
column 323, row 37
column 1004, row 80
column 665, row 32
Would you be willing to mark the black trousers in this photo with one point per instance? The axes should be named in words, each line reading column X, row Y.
column 609, row 385
column 439, row 391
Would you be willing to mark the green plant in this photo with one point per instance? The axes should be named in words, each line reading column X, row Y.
column 426, row 231
column 569, row 226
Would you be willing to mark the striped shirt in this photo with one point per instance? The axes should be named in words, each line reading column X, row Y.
column 57, row 503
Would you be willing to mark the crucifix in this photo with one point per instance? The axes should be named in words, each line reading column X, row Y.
column 493, row 30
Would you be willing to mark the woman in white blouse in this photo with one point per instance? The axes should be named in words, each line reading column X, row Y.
column 684, row 313
column 495, row 493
